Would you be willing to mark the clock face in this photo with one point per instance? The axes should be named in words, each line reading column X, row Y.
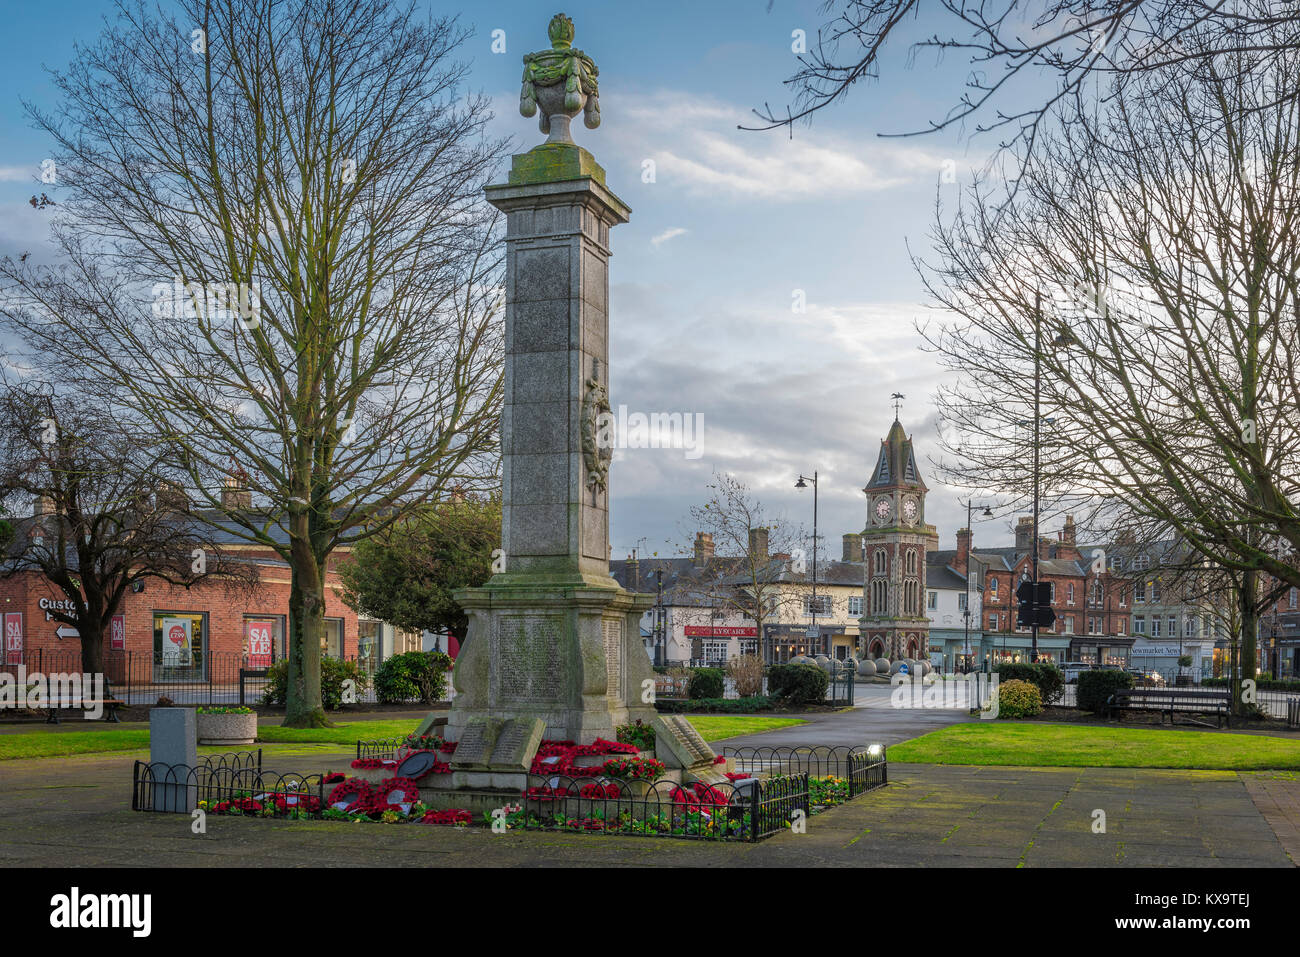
column 882, row 509
column 909, row 509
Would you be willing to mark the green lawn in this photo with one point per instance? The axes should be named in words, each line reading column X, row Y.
column 1072, row 746
column 715, row 727
column 55, row 741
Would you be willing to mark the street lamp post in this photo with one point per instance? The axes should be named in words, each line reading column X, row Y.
column 1063, row 339
column 812, row 629
column 969, row 541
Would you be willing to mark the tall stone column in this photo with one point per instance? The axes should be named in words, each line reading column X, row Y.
column 554, row 637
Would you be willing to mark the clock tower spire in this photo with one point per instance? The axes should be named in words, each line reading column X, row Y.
column 894, row 624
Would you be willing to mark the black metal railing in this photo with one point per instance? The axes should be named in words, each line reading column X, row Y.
column 385, row 749
column 140, row 678
column 233, row 783
column 744, row 810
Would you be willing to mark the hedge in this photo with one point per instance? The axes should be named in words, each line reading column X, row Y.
column 1261, row 684
column 333, row 672
column 1097, row 686
column 713, row 705
column 1047, row 678
column 413, row 676
column 798, row 684
column 706, row 683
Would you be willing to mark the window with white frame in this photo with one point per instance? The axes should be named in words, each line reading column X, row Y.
column 855, row 605
column 932, row 600
column 1155, row 626
column 1140, row 625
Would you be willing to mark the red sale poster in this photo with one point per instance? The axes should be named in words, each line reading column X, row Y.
column 13, row 635
column 259, row 643
column 117, row 633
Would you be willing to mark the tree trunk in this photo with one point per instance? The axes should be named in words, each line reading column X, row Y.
column 302, row 706
column 1249, row 628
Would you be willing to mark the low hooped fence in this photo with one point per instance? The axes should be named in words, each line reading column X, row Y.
column 852, row 770
column 233, row 783
column 770, row 789
column 747, row 809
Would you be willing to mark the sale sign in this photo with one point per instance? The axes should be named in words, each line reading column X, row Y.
column 13, row 622
column 117, row 633
column 176, row 638
column 259, row 643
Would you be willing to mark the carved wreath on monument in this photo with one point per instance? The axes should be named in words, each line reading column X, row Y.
column 561, row 64
column 597, row 449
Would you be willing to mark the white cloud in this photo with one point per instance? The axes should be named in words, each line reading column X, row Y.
column 695, row 144
column 17, row 174
column 670, row 233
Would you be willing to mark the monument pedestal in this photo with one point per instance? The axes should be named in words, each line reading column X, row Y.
column 570, row 656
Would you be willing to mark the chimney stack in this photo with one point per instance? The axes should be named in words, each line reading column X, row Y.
column 962, row 561
column 633, row 572
column 1024, row 533
column 42, row 505
column 171, row 496
column 852, row 547
column 703, row 548
column 758, row 542
column 234, row 492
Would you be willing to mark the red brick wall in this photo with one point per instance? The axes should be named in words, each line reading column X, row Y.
column 225, row 610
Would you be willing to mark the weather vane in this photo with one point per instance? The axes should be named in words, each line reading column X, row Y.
column 898, row 398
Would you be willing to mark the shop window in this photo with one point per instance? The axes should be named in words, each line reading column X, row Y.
column 180, row 642
column 263, row 640
column 331, row 643
column 368, row 632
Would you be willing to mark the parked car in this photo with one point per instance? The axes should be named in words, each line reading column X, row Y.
column 1073, row 669
column 1147, row 679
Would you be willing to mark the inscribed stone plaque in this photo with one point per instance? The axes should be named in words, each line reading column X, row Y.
column 476, row 742
column 526, row 667
column 430, row 723
column 613, row 628
column 678, row 744
column 517, row 744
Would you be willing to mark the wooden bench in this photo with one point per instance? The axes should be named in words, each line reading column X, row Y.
column 1174, row 701
column 109, row 705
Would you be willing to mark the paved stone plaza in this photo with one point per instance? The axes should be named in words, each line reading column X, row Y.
column 76, row 812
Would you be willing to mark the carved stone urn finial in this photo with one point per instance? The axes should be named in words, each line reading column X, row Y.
column 561, row 82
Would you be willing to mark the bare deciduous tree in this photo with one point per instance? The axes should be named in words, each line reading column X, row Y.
column 1012, row 45
column 103, row 518
column 273, row 235
column 1150, row 263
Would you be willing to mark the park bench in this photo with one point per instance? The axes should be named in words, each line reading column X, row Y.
column 1174, row 701
column 109, row 703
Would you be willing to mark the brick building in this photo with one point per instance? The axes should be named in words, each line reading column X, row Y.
column 204, row 633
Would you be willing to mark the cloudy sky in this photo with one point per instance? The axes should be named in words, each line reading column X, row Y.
column 736, row 228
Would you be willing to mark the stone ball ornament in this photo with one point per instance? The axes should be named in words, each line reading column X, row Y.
column 882, row 666
column 866, row 668
column 560, row 83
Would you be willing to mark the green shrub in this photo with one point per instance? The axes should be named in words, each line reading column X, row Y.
column 798, row 684
column 1018, row 699
column 706, row 683
column 413, row 676
column 1049, row 679
column 642, row 735
column 1096, row 686
column 333, row 672
column 713, row 705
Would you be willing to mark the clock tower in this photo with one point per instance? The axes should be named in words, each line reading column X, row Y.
column 894, row 623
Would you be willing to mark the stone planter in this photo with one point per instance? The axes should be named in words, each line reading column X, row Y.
column 225, row 730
